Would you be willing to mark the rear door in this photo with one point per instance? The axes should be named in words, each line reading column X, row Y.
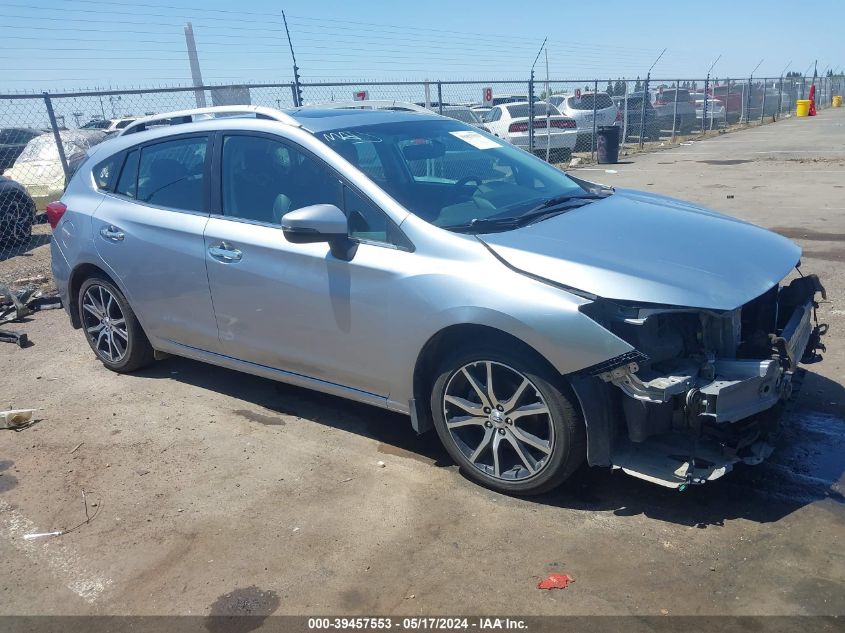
column 149, row 232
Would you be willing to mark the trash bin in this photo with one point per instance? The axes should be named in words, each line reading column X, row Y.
column 607, row 144
column 837, row 101
column 802, row 107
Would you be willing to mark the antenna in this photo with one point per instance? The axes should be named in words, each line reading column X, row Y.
column 297, row 92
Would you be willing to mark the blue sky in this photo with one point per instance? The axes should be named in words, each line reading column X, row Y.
column 50, row 44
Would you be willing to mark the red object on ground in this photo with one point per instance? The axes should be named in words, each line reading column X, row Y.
column 812, row 98
column 556, row 581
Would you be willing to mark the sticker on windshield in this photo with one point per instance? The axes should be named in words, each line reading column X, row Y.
column 475, row 139
column 350, row 137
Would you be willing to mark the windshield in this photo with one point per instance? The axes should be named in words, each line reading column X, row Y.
column 44, row 148
column 586, row 101
column 521, row 110
column 448, row 173
column 96, row 125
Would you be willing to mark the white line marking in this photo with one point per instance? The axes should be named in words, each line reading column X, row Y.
column 65, row 563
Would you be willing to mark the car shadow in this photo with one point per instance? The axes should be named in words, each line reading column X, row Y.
column 392, row 430
column 7, row 252
column 807, row 466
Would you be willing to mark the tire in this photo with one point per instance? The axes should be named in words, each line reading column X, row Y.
column 121, row 349
column 558, row 439
column 17, row 214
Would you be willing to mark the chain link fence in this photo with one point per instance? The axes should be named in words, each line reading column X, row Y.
column 43, row 137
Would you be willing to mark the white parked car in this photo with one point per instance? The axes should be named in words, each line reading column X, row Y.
column 109, row 126
column 510, row 121
column 581, row 109
column 39, row 168
column 715, row 111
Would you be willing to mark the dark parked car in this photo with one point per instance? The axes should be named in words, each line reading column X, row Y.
column 681, row 114
column 631, row 109
column 12, row 142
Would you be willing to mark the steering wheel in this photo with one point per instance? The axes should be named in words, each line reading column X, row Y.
column 468, row 179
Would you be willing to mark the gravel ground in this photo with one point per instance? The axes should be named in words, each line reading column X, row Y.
column 218, row 492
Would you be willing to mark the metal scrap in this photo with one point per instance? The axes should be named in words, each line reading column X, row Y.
column 15, row 305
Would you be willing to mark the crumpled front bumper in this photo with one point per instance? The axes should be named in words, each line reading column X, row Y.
column 728, row 410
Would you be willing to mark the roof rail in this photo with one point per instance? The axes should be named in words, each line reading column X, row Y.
column 371, row 104
column 199, row 114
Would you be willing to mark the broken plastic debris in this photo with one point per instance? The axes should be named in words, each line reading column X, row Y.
column 31, row 537
column 610, row 171
column 556, row 581
column 381, row 464
column 15, row 417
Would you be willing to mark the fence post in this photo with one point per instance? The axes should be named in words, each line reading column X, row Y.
column 593, row 143
column 439, row 97
column 56, row 135
column 675, row 109
column 763, row 104
column 780, row 98
column 642, row 111
column 704, row 105
column 625, row 115
column 295, row 96
column 748, row 102
column 531, row 113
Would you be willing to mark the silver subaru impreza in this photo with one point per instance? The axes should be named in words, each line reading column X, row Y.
column 415, row 263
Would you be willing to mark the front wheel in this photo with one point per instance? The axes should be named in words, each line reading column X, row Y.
column 111, row 327
column 507, row 420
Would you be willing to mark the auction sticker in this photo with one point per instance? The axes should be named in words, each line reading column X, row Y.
column 475, row 139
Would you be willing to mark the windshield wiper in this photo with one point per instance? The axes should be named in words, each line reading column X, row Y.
column 547, row 209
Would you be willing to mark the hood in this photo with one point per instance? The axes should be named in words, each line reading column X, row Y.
column 645, row 248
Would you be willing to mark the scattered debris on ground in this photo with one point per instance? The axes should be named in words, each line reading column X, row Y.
column 17, row 304
column 16, row 418
column 88, row 518
column 555, row 581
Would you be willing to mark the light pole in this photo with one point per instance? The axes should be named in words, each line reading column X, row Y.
column 706, row 84
column 112, row 99
column 78, row 117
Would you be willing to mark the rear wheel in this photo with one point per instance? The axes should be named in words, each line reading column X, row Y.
column 506, row 420
column 17, row 213
column 111, row 327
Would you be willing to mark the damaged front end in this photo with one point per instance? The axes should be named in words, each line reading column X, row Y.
column 705, row 388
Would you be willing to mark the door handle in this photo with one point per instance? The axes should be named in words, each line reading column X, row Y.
column 111, row 232
column 225, row 253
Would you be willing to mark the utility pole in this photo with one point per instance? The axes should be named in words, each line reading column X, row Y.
column 297, row 91
column 196, row 75
column 645, row 96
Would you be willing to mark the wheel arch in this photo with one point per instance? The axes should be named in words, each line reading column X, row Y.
column 77, row 276
column 446, row 339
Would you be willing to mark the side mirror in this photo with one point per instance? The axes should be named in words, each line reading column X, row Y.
column 320, row 223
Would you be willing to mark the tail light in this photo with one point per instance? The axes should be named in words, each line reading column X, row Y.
column 659, row 102
column 55, row 211
column 542, row 124
column 619, row 115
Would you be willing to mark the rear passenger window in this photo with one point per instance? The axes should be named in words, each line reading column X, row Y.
column 105, row 173
column 170, row 174
column 127, row 185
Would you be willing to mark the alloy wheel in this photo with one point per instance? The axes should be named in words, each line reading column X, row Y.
column 105, row 324
column 499, row 420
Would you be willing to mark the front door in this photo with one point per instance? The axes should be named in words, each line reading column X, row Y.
column 294, row 306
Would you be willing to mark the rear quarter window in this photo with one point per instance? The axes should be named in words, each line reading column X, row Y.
column 105, row 173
